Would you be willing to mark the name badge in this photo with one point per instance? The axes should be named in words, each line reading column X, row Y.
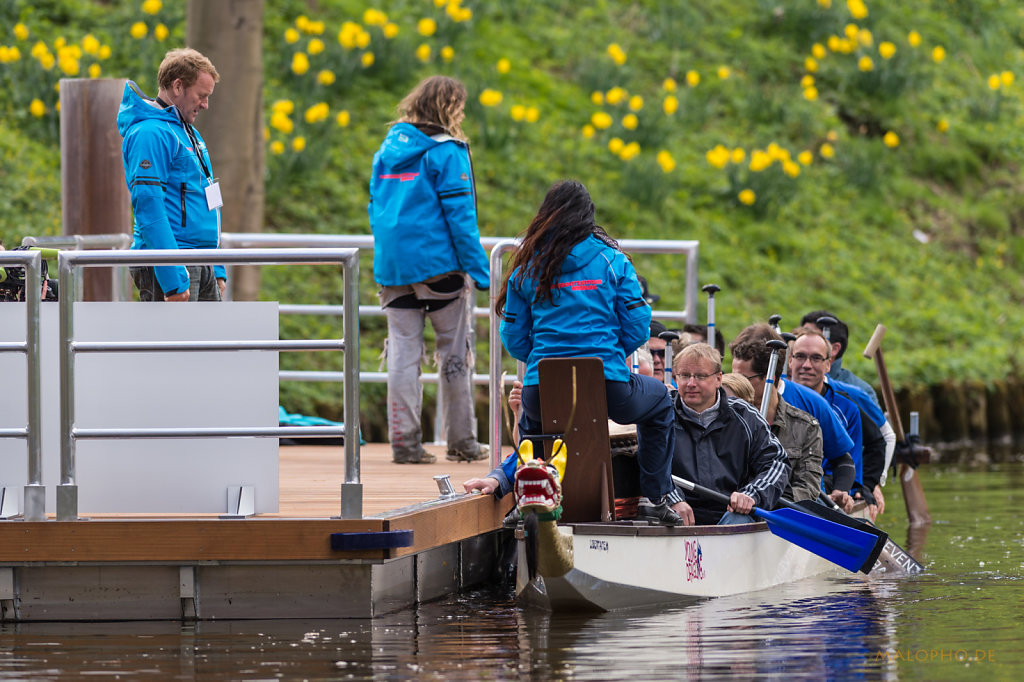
column 213, row 197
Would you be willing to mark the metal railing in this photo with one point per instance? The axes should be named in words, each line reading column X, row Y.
column 498, row 251
column 120, row 281
column 70, row 264
column 35, row 492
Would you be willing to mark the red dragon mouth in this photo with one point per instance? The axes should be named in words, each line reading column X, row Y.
column 537, row 487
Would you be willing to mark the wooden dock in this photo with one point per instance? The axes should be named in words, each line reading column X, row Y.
column 118, row 566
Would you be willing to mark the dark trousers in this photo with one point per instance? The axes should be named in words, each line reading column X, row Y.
column 202, row 285
column 643, row 401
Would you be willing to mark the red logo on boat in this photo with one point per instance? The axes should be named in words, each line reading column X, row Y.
column 694, row 571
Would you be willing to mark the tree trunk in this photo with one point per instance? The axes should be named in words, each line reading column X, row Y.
column 230, row 34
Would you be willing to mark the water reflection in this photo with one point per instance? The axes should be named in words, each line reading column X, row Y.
column 970, row 602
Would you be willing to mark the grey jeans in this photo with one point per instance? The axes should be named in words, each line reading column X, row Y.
column 407, row 309
column 202, row 287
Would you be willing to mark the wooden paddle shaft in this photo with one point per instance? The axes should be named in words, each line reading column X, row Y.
column 874, row 350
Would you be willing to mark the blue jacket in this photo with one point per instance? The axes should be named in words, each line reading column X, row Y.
column 423, row 210
column 597, row 310
column 167, row 183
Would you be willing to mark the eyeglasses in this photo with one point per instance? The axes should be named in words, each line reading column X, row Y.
column 685, row 377
column 800, row 358
column 660, row 353
column 748, row 377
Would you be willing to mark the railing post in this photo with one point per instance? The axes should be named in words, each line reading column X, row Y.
column 67, row 490
column 352, row 488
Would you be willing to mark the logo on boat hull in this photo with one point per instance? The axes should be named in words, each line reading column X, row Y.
column 694, row 569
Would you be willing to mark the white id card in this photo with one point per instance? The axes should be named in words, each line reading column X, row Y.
column 213, row 197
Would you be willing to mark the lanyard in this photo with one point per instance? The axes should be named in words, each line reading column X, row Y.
column 192, row 138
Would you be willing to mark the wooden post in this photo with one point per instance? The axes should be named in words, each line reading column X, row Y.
column 230, row 34
column 94, row 197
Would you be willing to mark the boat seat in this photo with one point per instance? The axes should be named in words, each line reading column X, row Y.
column 587, row 488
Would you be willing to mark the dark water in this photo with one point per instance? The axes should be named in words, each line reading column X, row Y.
column 964, row 619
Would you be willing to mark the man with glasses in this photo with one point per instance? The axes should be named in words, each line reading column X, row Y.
column 808, row 365
column 750, row 357
column 722, row 443
column 656, row 345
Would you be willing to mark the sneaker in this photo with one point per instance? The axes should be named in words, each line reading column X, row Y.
column 472, row 454
column 420, row 456
column 658, row 513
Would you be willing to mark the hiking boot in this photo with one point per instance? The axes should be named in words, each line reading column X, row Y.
column 419, row 456
column 474, row 453
column 660, row 513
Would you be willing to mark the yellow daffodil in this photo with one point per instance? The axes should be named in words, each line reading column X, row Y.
column 865, row 63
column 315, row 28
column 865, row 38
column 300, row 63
column 1006, row 78
column 597, row 98
column 737, row 155
column 302, row 23
column 138, row 30
column 827, row 151
column 670, row 105
column 811, row 64
column 692, row 78
column 833, row 43
column 105, row 52
column 617, row 54
column 630, row 151
column 503, row 66
column 805, row 157
column 851, row 31
column 601, row 120
column 818, row 51
column 60, row 42
column 724, row 72
column 426, row 27
column 630, row 122
column 47, row 61
column 374, row 17
column 532, row 114
column 69, row 66
column 90, row 45
column 299, row 143
column 315, row 46
column 847, row 46
column 37, row 108
column 280, row 122
column 858, row 10
column 938, row 53
column 616, row 95
column 277, row 147
column 665, row 160
column 669, row 84
column 759, row 160
column 291, row 36
column 95, row 71
column 160, row 32
column 285, row 106
column 811, row 93
column 807, row 81
column 9, row 54
column 362, row 39
column 325, row 77
column 994, row 82
column 891, row 140
column 447, row 54
column 20, row 31
column 316, row 113
column 791, row 169
column 390, row 30
column 636, row 102
column 831, row 136
column 367, row 60
column 490, row 98
column 347, row 35
column 152, row 6
column 588, row 131
column 914, row 38
column 747, row 197
column 718, row 156
column 343, row 118
column 423, row 52
column 517, row 112
column 886, row 49
column 942, row 125
column 615, row 145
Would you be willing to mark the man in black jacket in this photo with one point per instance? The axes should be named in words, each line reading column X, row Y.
column 722, row 443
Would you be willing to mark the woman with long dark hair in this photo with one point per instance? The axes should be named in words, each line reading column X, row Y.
column 571, row 292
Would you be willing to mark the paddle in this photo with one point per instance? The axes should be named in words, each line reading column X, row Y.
column 910, row 482
column 711, row 290
column 847, row 547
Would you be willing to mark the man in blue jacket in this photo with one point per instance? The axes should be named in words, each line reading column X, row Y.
column 427, row 256
column 176, row 199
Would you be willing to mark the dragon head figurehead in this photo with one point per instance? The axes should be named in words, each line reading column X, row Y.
column 538, row 483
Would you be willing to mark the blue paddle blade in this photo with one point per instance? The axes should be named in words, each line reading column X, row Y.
column 847, row 547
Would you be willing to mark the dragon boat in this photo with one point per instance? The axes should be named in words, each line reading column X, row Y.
column 580, row 548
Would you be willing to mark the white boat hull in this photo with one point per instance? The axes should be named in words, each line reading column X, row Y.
column 619, row 566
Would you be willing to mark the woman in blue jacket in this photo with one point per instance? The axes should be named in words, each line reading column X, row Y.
column 572, row 293
column 427, row 257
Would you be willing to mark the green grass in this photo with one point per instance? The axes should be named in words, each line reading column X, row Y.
column 840, row 235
